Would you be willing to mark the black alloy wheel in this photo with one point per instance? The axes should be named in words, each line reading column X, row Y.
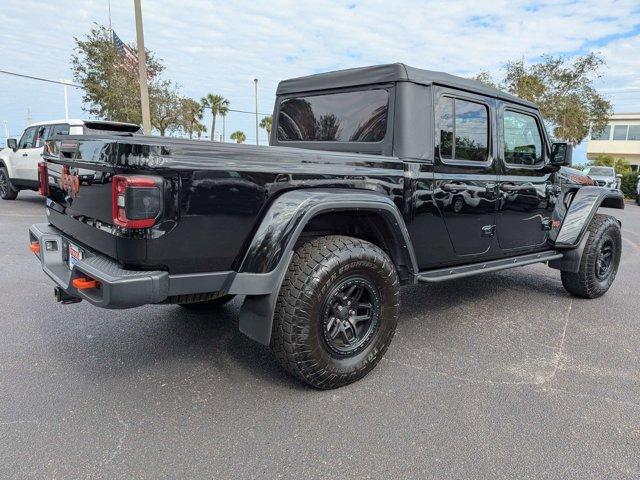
column 350, row 315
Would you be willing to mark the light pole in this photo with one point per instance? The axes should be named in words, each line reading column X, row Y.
column 224, row 127
column 66, row 99
column 255, row 83
column 142, row 70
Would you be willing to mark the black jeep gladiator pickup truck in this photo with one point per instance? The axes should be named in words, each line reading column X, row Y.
column 376, row 177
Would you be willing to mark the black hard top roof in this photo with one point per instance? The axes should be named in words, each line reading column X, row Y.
column 394, row 72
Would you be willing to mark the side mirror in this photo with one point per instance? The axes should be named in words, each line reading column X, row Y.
column 12, row 143
column 561, row 154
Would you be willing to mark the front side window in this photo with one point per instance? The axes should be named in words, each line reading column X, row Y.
column 28, row 139
column 522, row 140
column 464, row 129
column 620, row 132
column 43, row 133
column 337, row 117
column 601, row 135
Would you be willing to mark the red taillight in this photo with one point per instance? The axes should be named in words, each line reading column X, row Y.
column 43, row 179
column 137, row 201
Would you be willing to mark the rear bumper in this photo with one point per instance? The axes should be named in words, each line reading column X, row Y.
column 121, row 288
column 118, row 288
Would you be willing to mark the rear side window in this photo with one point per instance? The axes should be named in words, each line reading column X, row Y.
column 464, row 129
column 28, row 139
column 337, row 117
column 62, row 129
column 522, row 140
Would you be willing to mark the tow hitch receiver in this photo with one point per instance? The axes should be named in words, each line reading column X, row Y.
column 63, row 297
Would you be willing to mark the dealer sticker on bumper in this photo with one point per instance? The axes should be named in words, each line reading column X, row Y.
column 75, row 255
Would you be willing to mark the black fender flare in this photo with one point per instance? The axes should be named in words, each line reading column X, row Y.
column 572, row 236
column 577, row 217
column 271, row 248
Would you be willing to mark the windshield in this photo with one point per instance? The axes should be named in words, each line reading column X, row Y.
column 603, row 171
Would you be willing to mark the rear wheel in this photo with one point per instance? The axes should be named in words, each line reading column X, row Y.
column 7, row 190
column 336, row 312
column 600, row 260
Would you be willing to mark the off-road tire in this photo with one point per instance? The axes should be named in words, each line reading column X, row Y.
column 299, row 340
column 585, row 282
column 7, row 190
column 197, row 301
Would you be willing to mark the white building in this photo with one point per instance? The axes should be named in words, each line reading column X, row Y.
column 620, row 139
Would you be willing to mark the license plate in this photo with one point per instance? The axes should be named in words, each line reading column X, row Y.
column 75, row 255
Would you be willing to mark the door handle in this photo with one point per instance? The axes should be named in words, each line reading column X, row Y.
column 25, row 154
column 454, row 187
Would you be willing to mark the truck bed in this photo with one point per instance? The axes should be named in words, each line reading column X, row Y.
column 213, row 194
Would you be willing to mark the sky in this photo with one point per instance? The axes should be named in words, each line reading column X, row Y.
column 220, row 47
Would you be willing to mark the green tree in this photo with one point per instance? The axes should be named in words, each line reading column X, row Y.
column 190, row 114
column 620, row 164
column 164, row 104
column 629, row 184
column 266, row 124
column 218, row 105
column 110, row 85
column 238, row 136
column 564, row 91
column 199, row 130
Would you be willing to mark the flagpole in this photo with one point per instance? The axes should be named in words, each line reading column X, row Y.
column 110, row 28
column 142, row 70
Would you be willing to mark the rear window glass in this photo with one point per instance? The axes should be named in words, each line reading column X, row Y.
column 338, row 117
column 604, row 171
column 106, row 127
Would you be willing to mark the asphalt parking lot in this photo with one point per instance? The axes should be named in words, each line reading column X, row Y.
column 498, row 376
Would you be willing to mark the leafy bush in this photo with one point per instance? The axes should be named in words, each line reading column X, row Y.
column 629, row 182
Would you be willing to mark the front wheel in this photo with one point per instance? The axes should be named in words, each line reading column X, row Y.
column 7, row 190
column 336, row 312
column 600, row 260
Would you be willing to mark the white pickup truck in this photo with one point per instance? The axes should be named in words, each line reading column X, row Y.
column 19, row 160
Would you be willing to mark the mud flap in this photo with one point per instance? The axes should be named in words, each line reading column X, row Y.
column 256, row 313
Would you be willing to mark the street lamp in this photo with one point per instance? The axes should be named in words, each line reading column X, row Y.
column 255, row 83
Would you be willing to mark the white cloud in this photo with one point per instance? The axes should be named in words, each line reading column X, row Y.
column 221, row 46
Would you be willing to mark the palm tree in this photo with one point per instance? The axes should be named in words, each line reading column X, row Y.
column 238, row 136
column 218, row 105
column 266, row 124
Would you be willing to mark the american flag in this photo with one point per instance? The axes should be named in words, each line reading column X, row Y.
column 129, row 57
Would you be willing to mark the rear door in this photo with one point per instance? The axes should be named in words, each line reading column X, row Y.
column 527, row 195
column 465, row 175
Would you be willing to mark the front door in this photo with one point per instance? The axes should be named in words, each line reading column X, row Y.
column 526, row 194
column 22, row 158
column 465, row 176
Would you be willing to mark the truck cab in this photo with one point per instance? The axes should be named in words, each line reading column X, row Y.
column 478, row 164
